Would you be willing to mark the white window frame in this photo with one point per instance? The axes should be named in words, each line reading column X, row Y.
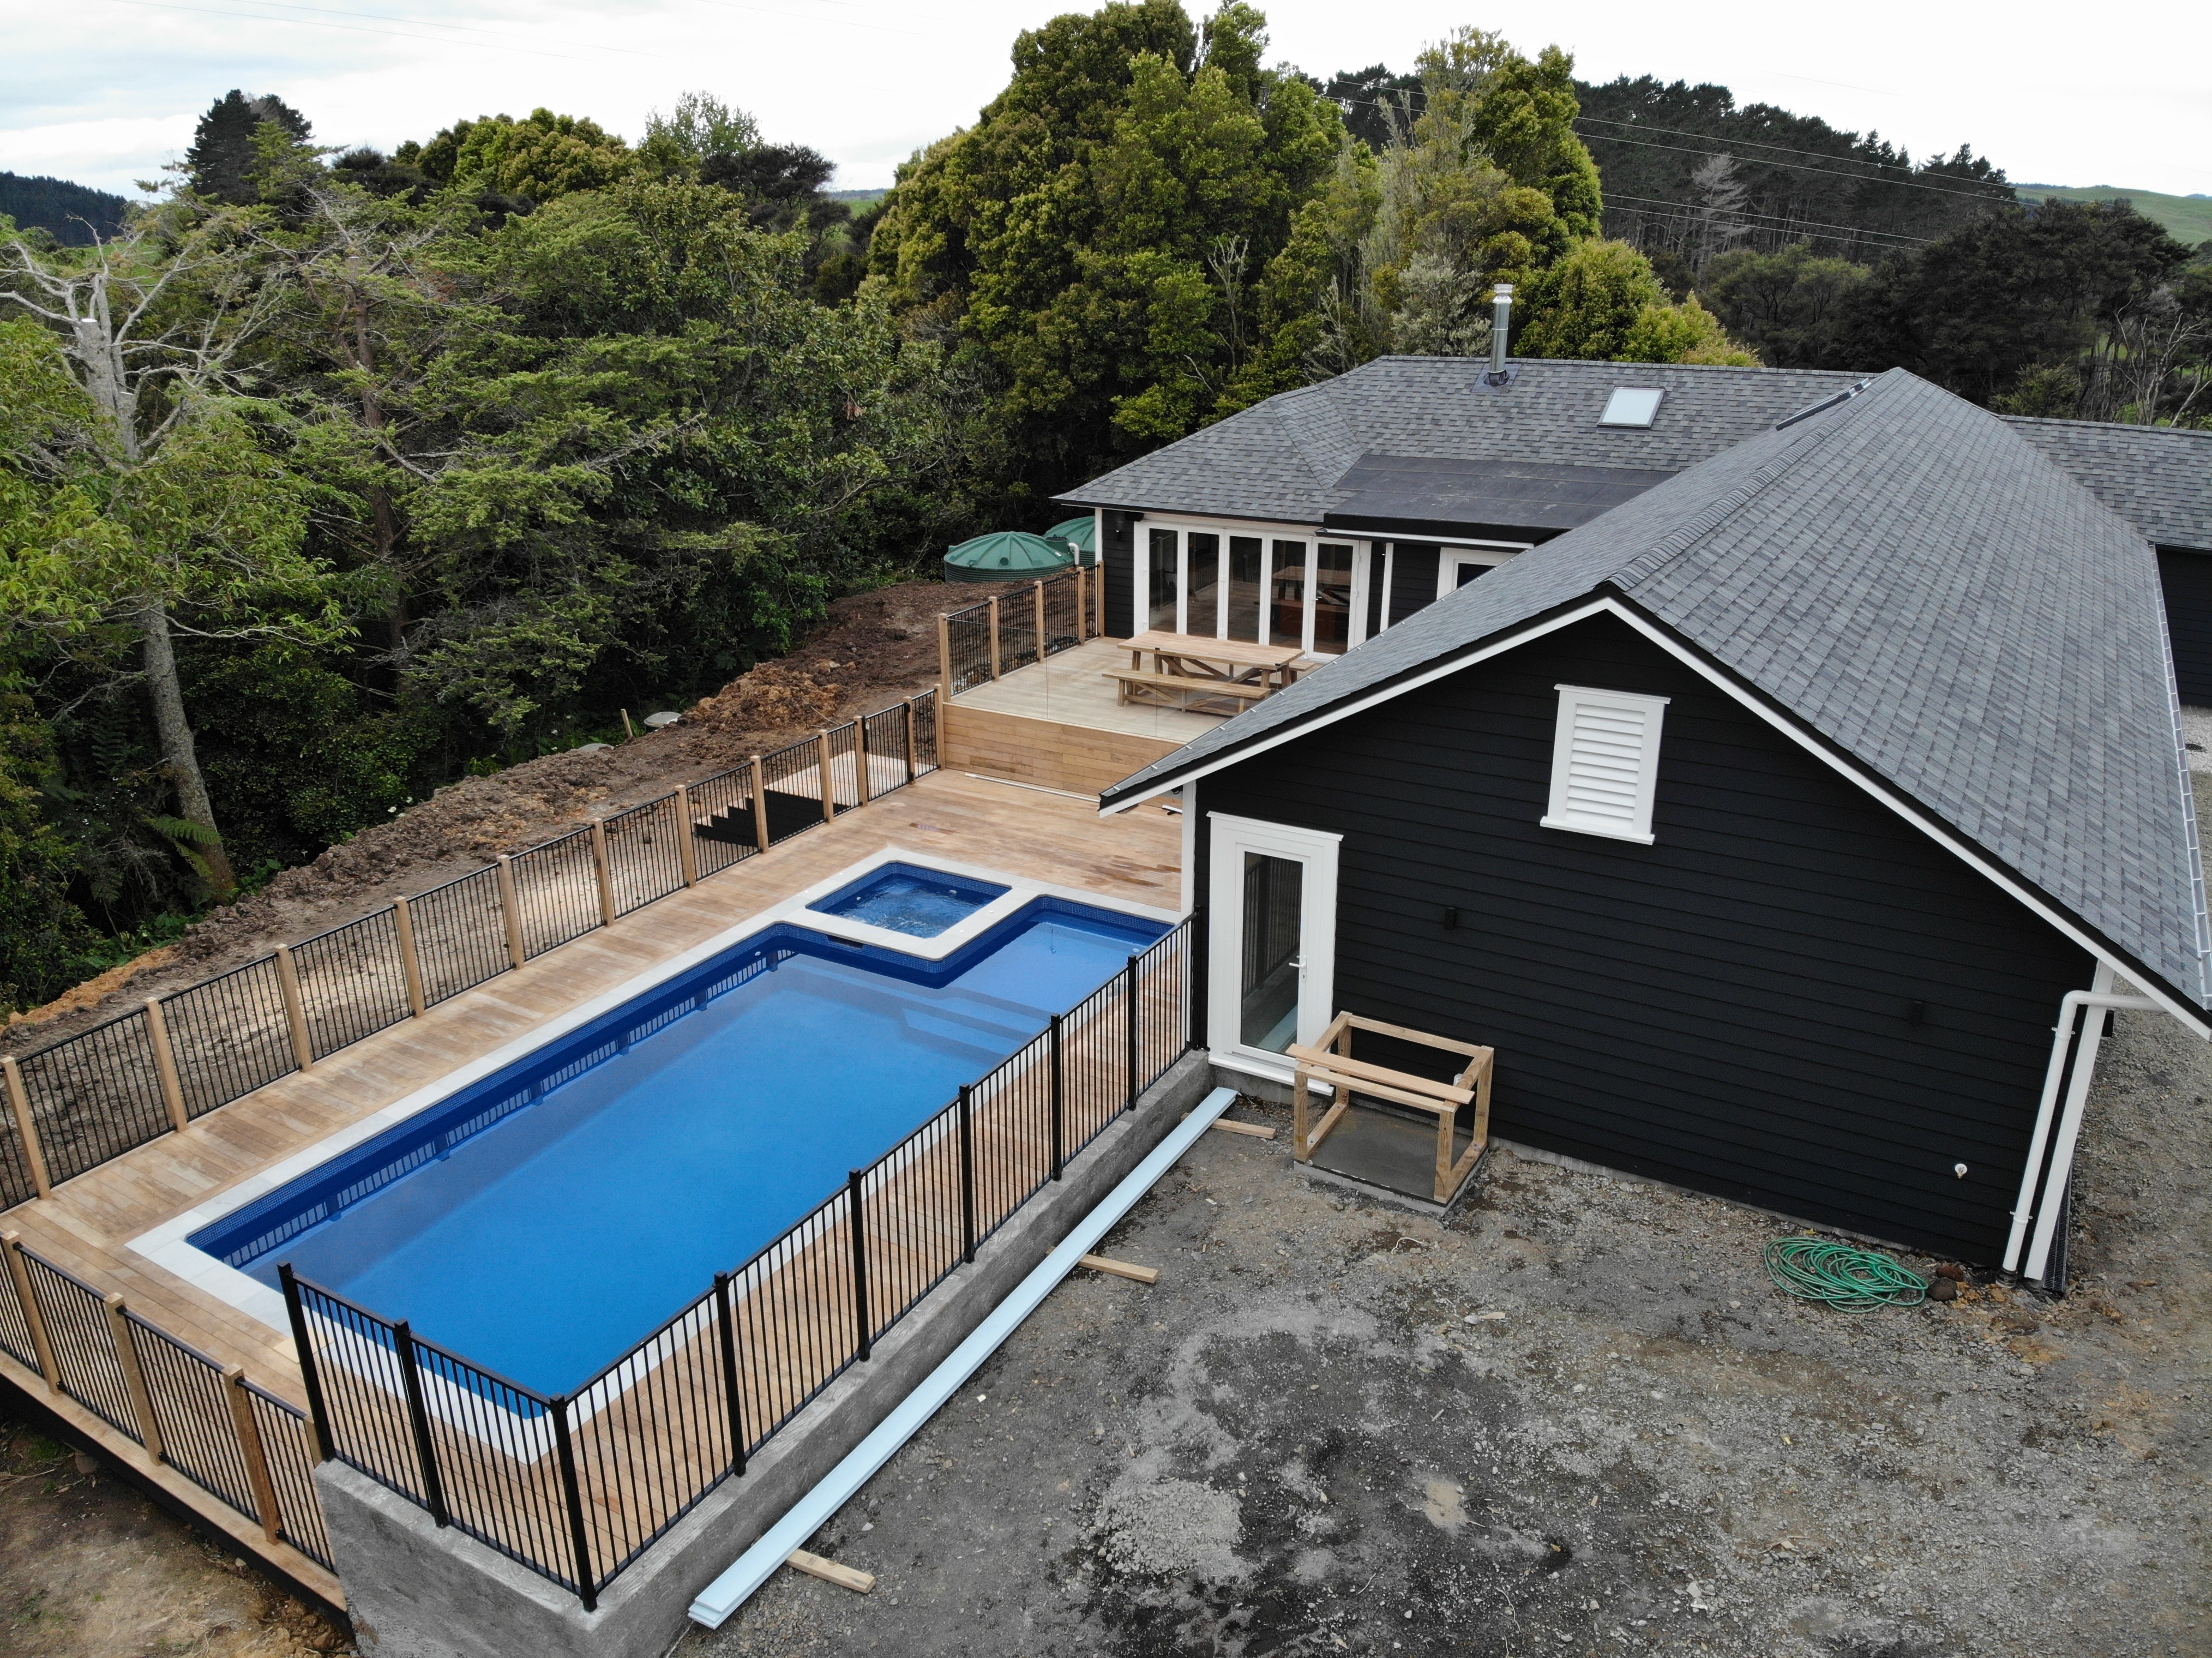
column 1559, row 815
column 1268, row 531
column 1451, row 558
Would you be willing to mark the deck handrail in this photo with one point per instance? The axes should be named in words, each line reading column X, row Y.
column 87, row 1099
column 577, row 1486
column 987, row 641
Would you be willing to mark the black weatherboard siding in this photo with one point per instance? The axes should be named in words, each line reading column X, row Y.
column 1733, row 1009
column 1117, row 558
column 2186, row 581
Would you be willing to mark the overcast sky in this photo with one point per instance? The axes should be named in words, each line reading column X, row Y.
column 104, row 92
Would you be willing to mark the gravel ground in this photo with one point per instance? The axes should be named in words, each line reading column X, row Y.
column 1575, row 1419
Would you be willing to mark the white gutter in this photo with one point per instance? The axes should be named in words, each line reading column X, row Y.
column 757, row 1564
column 2097, row 1002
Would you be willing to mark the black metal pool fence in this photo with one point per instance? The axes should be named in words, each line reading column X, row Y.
column 576, row 1487
column 76, row 1103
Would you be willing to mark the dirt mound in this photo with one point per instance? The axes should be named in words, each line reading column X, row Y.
column 874, row 648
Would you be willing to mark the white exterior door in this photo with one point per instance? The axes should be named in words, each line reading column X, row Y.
column 1271, row 947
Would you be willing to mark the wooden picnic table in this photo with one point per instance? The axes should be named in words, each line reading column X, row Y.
column 1188, row 667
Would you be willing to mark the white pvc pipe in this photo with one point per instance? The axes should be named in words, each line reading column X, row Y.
column 757, row 1564
column 2070, row 1005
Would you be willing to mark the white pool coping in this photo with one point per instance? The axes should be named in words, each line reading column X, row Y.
column 168, row 1247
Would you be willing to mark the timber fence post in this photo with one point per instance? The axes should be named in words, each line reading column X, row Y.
column 134, row 1377
column 760, row 803
column 26, row 1127
column 604, row 868
column 410, row 959
column 1040, row 619
column 944, row 654
column 165, row 1061
column 686, row 849
column 295, row 1010
column 994, row 635
column 863, row 791
column 510, row 910
column 11, row 1245
column 255, row 1453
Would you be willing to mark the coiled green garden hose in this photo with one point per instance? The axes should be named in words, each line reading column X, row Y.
column 1836, row 1275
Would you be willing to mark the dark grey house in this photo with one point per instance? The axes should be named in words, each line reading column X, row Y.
column 1806, row 751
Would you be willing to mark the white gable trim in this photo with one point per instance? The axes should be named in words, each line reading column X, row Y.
column 2194, row 1018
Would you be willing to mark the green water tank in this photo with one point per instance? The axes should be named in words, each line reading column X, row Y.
column 1007, row 555
column 1080, row 534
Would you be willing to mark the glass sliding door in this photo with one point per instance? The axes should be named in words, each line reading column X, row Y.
column 1202, row 568
column 1164, row 581
column 1331, row 605
column 1289, row 603
column 1248, row 556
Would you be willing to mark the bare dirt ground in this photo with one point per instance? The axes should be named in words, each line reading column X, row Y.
column 875, row 648
column 1575, row 1419
column 89, row 1568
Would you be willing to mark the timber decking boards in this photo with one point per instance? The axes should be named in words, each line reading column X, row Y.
column 86, row 1224
column 1071, row 689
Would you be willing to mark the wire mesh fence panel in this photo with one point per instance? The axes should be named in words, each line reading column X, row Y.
column 1011, row 1112
column 721, row 811
column 914, row 1228
column 792, row 1306
column 95, row 1095
column 354, row 1355
column 967, row 648
column 652, row 1436
column 199, row 1438
column 556, row 889
column 17, row 1183
column 351, row 983
column 76, row 1317
column 15, row 1328
column 230, row 1035
column 645, row 852
column 925, row 732
column 495, row 1448
column 1063, row 612
column 792, row 777
column 287, row 1441
column 1017, row 630
column 889, row 766
column 460, row 934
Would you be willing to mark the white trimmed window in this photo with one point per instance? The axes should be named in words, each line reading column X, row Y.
column 1605, row 762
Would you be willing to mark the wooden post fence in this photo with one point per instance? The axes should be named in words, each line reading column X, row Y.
column 134, row 1376
column 686, row 850
column 604, row 871
column 1040, row 620
column 251, row 1451
column 295, row 1010
column 11, row 1245
column 994, row 637
column 410, row 959
column 26, row 1129
column 510, row 906
column 165, row 1062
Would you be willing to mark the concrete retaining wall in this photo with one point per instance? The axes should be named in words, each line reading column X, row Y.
column 418, row 1591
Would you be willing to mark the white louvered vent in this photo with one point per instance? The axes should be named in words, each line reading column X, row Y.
column 1605, row 762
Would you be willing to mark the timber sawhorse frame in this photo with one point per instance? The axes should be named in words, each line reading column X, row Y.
column 1330, row 1061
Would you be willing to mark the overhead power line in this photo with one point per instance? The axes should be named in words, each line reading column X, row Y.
column 1785, row 220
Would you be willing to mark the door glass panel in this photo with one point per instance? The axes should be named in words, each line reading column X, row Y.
column 1205, row 584
column 1286, row 616
column 1469, row 569
column 1245, row 553
column 1332, row 597
column 1162, row 615
column 1267, row 1000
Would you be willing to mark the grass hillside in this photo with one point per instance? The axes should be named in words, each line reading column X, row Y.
column 2186, row 218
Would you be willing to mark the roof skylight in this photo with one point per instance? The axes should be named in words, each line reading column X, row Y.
column 1632, row 405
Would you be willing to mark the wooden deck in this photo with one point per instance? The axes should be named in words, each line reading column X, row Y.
column 86, row 1224
column 1060, row 724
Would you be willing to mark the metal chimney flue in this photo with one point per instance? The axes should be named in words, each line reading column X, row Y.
column 1501, row 323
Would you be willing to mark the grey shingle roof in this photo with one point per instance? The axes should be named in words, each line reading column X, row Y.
column 1396, row 491
column 1283, row 459
column 1909, row 577
column 2159, row 478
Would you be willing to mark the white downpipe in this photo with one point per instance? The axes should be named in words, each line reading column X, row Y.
column 757, row 1564
column 2097, row 1001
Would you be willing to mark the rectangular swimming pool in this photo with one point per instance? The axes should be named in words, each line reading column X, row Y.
column 546, row 1218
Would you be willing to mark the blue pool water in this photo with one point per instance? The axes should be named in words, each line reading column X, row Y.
column 545, row 1220
column 909, row 899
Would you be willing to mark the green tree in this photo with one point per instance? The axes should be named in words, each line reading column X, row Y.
column 1114, row 238
column 161, row 513
column 536, row 159
column 1604, row 300
column 1787, row 307
column 220, row 165
column 45, row 943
